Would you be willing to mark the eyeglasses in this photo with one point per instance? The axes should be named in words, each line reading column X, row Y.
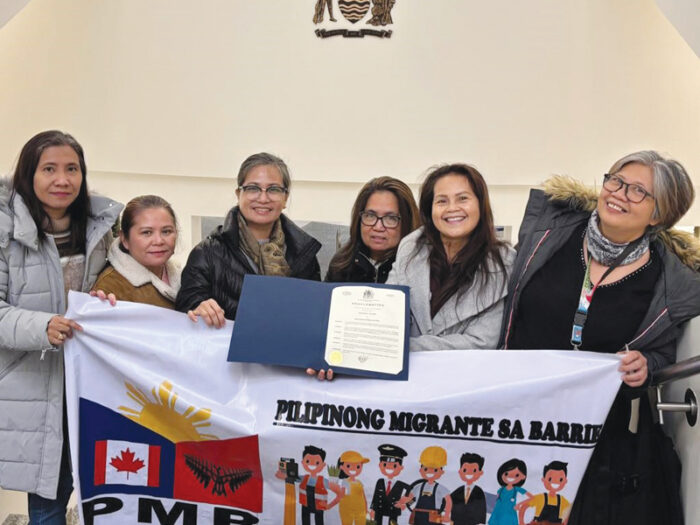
column 274, row 193
column 634, row 192
column 369, row 218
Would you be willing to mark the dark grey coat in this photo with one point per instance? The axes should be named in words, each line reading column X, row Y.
column 547, row 225
column 621, row 483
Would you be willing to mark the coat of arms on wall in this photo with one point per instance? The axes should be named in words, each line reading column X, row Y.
column 354, row 11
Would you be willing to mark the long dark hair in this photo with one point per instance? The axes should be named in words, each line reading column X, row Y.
column 448, row 278
column 410, row 219
column 23, row 185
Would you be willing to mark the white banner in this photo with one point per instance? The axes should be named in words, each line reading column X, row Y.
column 164, row 430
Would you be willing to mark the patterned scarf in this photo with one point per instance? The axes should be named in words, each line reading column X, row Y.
column 605, row 251
column 268, row 256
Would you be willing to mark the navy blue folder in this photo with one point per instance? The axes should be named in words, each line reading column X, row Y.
column 284, row 321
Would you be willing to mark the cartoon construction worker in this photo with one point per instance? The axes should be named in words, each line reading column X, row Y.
column 468, row 501
column 313, row 488
column 428, row 497
column 511, row 477
column 388, row 489
column 550, row 508
column 353, row 504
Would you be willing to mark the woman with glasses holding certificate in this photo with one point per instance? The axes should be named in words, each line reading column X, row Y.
column 604, row 273
column 384, row 213
column 454, row 265
column 256, row 238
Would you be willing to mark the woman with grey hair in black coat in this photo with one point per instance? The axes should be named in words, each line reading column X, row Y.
column 605, row 273
column 256, row 238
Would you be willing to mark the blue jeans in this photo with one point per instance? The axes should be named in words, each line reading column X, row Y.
column 44, row 511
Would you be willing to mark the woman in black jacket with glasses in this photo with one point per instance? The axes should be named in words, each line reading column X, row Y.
column 256, row 238
column 383, row 214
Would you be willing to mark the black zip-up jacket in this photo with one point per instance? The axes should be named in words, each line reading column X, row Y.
column 361, row 271
column 216, row 266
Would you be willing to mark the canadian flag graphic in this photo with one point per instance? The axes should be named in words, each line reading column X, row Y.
column 126, row 463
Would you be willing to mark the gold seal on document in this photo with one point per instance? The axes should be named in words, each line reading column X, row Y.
column 335, row 357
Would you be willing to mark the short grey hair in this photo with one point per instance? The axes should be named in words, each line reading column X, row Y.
column 264, row 159
column 673, row 189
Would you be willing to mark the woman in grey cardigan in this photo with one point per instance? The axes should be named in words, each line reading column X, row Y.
column 53, row 238
column 455, row 266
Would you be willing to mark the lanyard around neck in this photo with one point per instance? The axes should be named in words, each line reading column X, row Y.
column 588, row 289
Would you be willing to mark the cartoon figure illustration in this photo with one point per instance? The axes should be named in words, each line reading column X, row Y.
column 313, row 488
column 353, row 504
column 381, row 12
column 388, row 489
column 320, row 10
column 468, row 501
column 430, row 498
column 550, row 508
column 511, row 477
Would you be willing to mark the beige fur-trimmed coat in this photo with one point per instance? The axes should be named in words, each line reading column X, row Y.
column 130, row 281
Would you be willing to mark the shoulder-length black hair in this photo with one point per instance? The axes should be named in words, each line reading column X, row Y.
column 410, row 219
column 510, row 465
column 448, row 278
column 23, row 185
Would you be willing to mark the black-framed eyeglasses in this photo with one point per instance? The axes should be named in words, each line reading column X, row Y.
column 273, row 192
column 369, row 218
column 634, row 192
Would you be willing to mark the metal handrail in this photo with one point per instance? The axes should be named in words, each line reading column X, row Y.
column 680, row 370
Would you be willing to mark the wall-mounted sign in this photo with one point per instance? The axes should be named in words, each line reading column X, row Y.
column 369, row 12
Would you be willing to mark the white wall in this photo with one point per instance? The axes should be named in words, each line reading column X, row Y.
column 175, row 88
column 169, row 96
column 522, row 89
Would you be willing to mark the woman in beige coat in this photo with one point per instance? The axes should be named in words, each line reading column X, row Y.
column 140, row 269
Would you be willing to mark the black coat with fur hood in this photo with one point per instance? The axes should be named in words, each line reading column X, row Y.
column 552, row 215
column 625, row 481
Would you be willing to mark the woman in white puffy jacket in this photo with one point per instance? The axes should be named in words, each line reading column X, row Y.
column 53, row 238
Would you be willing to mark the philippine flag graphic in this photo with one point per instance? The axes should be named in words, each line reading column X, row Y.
column 120, row 456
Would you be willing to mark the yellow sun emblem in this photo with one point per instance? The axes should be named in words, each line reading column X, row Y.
column 160, row 415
